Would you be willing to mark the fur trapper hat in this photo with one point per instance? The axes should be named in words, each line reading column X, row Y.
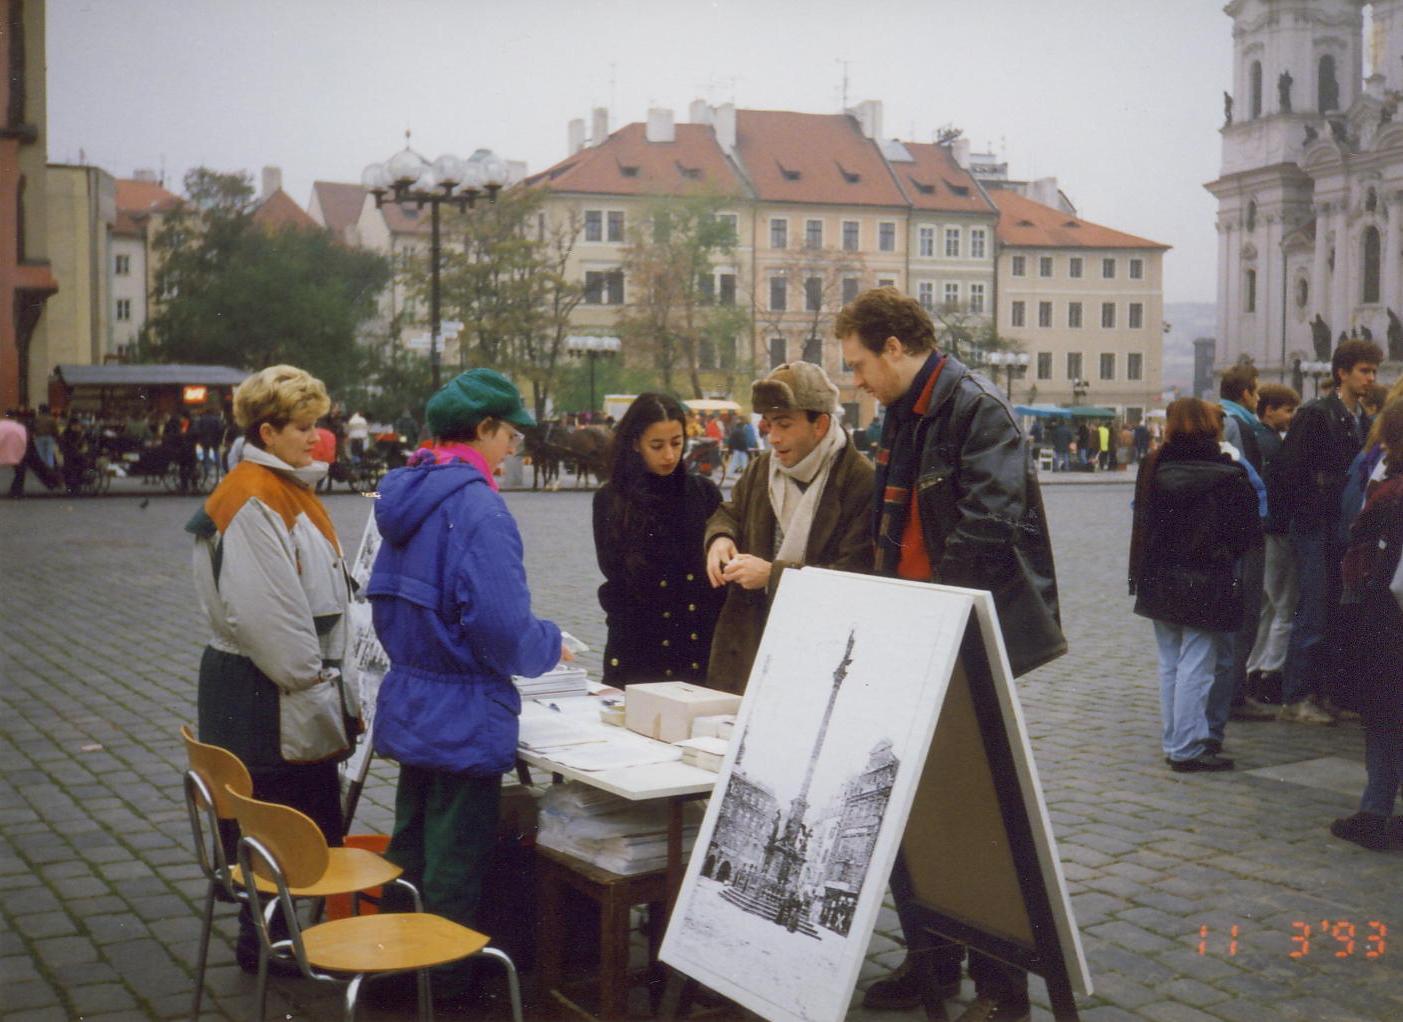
column 795, row 386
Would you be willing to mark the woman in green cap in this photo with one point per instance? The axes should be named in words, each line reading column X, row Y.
column 452, row 609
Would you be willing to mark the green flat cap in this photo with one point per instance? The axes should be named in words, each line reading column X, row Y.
column 472, row 396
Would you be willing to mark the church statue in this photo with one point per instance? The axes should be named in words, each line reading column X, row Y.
column 1385, row 114
column 1343, row 337
column 1227, row 109
column 1283, row 91
column 1311, row 134
column 1339, row 131
column 1320, row 338
column 1395, row 337
column 1365, row 334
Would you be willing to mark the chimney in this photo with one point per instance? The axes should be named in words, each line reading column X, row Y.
column 724, row 121
column 1044, row 190
column 516, row 171
column 959, row 150
column 869, row 117
column 144, row 174
column 575, row 132
column 272, row 181
column 601, row 125
column 660, row 127
column 699, row 112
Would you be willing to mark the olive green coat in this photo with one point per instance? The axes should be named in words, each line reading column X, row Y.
column 841, row 538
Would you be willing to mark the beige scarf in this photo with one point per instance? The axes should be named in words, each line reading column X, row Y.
column 794, row 508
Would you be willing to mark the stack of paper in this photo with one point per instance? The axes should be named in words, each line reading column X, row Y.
column 561, row 680
column 706, row 753
column 719, row 726
column 612, row 833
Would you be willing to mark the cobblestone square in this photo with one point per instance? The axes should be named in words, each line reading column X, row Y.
column 99, row 645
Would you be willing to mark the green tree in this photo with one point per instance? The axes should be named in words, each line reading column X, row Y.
column 233, row 293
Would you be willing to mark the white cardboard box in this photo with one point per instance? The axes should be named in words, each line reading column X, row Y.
column 665, row 710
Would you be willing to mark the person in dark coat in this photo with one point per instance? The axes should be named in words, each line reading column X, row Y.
column 649, row 519
column 1196, row 514
column 1372, row 582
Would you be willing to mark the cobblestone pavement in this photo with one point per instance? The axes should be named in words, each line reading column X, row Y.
column 99, row 642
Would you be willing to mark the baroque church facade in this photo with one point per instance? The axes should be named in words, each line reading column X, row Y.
column 1310, row 196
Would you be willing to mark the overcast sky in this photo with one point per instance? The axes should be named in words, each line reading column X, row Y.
column 1119, row 99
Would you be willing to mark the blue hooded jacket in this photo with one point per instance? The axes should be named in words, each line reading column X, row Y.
column 451, row 607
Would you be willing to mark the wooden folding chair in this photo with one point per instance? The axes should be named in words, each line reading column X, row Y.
column 213, row 773
column 284, row 848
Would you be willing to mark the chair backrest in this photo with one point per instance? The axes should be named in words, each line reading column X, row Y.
column 220, row 769
column 294, row 840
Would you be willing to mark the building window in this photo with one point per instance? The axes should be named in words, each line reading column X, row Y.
column 732, row 223
column 1254, row 87
column 1327, row 86
column 1074, row 315
column 1044, row 314
column 850, row 286
column 727, row 289
column 1044, row 365
column 1249, row 292
column 1108, row 315
column 1018, row 266
column 886, row 282
column 813, row 294
column 976, row 243
column 706, row 287
column 1044, row 266
column 778, row 354
column 616, row 226
column 779, row 294
column 706, row 353
column 1137, row 269
column 927, row 242
column 813, row 233
column 850, row 236
column 1134, row 366
column 1251, row 216
column 1371, row 265
column 1108, row 366
column 952, row 243
column 1108, row 268
column 1074, row 365
column 123, row 265
column 594, row 225
column 124, row 306
column 779, row 233
column 1017, row 315
column 813, row 350
column 976, row 299
column 604, row 287
column 925, row 294
column 886, row 236
column 1074, row 267
column 540, row 227
column 952, row 295
column 1137, row 315
column 1302, row 293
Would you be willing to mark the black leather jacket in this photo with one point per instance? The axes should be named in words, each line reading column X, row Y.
column 982, row 512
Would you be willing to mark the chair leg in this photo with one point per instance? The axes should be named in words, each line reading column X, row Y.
column 260, row 993
column 204, row 952
column 426, row 996
column 352, row 993
column 513, row 987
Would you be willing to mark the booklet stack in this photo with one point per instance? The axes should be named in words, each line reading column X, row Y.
column 612, row 833
column 561, row 680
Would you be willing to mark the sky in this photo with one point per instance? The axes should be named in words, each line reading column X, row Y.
column 1120, row 100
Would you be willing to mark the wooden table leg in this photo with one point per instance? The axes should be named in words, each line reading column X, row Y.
column 613, row 956
column 674, row 851
column 549, row 949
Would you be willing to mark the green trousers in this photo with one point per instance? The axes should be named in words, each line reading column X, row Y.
column 445, row 828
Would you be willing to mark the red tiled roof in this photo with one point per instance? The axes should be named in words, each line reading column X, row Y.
column 406, row 219
column 934, row 181
column 340, row 204
column 628, row 164
column 1024, row 223
column 793, row 157
column 280, row 210
column 139, row 198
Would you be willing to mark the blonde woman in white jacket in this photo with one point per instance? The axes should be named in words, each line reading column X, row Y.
column 269, row 575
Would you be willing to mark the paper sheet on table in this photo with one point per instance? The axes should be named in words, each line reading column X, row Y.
column 613, row 755
column 541, row 731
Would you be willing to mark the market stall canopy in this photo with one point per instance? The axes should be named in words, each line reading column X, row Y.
column 711, row 404
column 1061, row 412
column 150, row 375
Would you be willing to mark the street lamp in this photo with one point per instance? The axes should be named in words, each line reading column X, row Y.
column 1317, row 371
column 1012, row 362
column 1079, row 389
column 591, row 348
column 407, row 177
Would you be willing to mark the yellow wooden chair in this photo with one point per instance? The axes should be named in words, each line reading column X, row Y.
column 286, row 849
column 213, row 773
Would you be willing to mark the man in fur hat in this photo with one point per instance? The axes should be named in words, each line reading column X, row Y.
column 808, row 500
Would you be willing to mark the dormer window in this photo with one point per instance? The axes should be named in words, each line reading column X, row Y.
column 692, row 173
column 923, row 187
column 789, row 175
column 956, row 189
column 628, row 170
column 851, row 177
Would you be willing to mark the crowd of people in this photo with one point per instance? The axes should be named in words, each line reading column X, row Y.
column 1265, row 549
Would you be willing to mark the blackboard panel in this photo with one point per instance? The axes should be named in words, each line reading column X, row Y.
column 955, row 845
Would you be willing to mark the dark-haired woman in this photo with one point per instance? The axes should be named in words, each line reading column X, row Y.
column 1195, row 516
column 649, row 520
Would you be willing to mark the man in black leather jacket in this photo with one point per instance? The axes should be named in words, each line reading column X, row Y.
column 959, row 504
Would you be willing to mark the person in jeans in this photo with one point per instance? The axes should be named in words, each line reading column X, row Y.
column 1324, row 438
column 1196, row 515
column 1276, row 406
